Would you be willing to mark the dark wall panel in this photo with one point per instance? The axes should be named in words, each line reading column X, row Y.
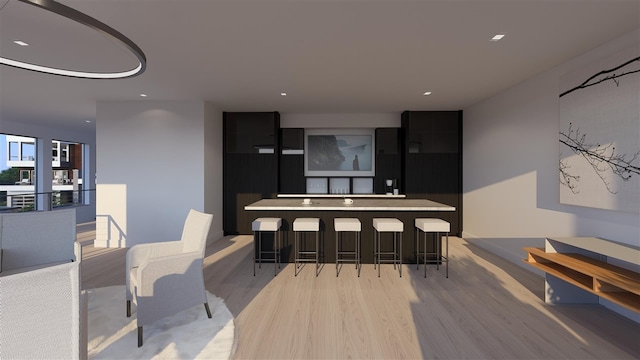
column 250, row 165
column 432, row 159
column 388, row 158
column 292, row 180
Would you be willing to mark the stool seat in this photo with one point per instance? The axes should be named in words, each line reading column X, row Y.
column 266, row 224
column 433, row 225
column 347, row 224
column 306, row 224
column 388, row 225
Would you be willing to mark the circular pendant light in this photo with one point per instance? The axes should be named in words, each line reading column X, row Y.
column 88, row 21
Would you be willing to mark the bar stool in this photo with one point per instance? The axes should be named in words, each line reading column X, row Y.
column 437, row 226
column 396, row 227
column 259, row 226
column 352, row 225
column 300, row 227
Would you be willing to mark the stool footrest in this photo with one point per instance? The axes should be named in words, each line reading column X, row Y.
column 439, row 229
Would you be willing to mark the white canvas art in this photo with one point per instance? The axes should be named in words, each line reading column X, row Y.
column 600, row 134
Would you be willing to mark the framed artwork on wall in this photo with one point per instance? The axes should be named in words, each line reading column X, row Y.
column 339, row 152
column 599, row 126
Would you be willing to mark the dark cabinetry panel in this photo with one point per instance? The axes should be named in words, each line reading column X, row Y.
column 261, row 160
column 433, row 159
column 388, row 158
column 432, row 131
column 292, row 139
column 250, row 132
column 291, row 180
column 250, row 169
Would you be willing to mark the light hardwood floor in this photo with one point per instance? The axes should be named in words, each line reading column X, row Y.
column 488, row 308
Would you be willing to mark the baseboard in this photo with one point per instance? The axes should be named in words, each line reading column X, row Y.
column 215, row 237
column 509, row 249
column 109, row 244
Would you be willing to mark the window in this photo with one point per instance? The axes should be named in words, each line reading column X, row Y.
column 55, row 147
column 67, row 186
column 18, row 174
column 28, row 151
column 14, row 152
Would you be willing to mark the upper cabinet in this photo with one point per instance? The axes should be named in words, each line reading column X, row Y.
column 292, row 141
column 291, row 162
column 432, row 131
column 251, row 132
column 388, row 141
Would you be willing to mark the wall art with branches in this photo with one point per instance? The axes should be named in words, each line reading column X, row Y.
column 599, row 133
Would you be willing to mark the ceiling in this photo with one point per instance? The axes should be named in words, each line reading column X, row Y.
column 328, row 56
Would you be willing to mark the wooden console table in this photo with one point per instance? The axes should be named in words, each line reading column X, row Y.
column 582, row 262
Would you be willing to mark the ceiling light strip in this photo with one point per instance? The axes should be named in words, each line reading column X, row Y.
column 94, row 24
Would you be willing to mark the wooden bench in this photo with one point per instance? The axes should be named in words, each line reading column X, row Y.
column 607, row 281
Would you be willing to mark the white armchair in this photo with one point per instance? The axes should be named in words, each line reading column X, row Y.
column 43, row 312
column 166, row 277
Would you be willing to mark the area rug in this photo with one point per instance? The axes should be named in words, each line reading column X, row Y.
column 189, row 334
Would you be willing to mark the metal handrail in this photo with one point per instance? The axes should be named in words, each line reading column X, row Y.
column 53, row 199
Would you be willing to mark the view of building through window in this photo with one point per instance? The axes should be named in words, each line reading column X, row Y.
column 18, row 175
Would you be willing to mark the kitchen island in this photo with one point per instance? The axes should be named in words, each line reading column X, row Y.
column 365, row 209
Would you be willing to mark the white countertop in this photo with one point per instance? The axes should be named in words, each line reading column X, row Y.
column 399, row 196
column 360, row 204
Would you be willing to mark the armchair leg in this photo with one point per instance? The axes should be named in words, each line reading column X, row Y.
column 128, row 308
column 139, row 336
column 206, row 306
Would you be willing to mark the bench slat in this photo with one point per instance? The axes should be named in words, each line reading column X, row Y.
column 611, row 274
column 608, row 281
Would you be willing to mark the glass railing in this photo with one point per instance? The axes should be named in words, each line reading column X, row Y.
column 27, row 200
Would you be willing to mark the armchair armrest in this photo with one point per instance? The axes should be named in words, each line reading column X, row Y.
column 167, row 285
column 140, row 253
column 155, row 271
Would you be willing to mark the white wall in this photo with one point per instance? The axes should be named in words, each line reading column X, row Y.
column 510, row 168
column 339, row 120
column 510, row 171
column 83, row 134
column 213, row 168
column 151, row 159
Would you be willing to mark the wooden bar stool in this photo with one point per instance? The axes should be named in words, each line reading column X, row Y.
column 436, row 226
column 259, row 226
column 392, row 225
column 342, row 225
column 300, row 227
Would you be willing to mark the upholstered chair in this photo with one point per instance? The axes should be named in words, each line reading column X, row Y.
column 165, row 278
column 43, row 311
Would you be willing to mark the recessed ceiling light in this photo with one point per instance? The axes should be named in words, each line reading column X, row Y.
column 283, row 94
column 143, row 95
column 87, row 121
column 497, row 37
column 427, row 93
column 21, row 43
